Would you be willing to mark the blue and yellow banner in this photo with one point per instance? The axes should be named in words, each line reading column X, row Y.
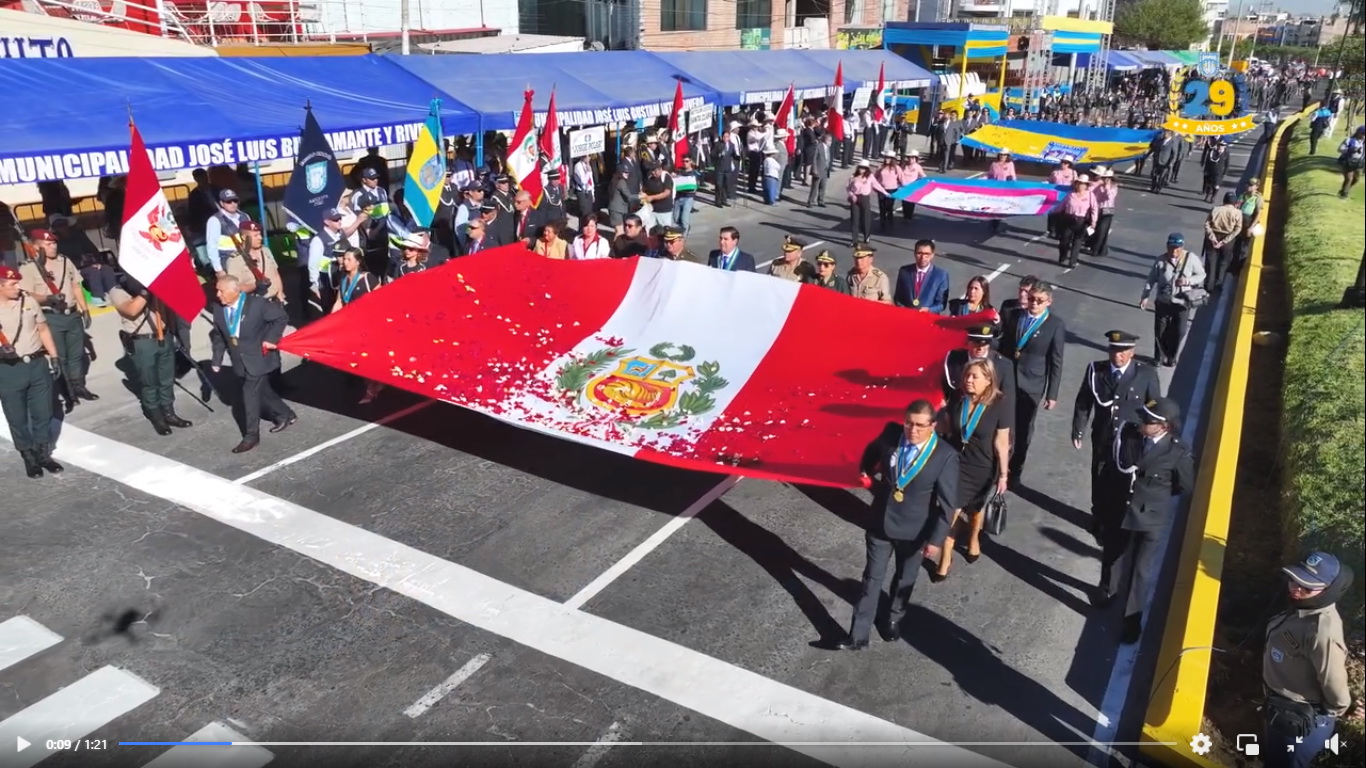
column 1046, row 142
column 426, row 170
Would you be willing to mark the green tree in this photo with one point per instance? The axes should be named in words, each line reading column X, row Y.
column 1161, row 25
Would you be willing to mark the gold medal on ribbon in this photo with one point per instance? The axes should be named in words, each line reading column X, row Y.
column 898, row 497
column 233, row 341
column 915, row 302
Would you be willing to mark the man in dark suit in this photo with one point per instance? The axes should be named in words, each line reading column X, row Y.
column 1035, row 339
column 978, row 347
column 729, row 256
column 1148, row 465
column 248, row 328
column 1112, row 393
column 924, row 286
column 819, row 170
column 1010, row 309
column 1162, row 149
column 726, row 155
column 914, row 478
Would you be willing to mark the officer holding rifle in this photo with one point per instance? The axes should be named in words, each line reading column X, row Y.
column 54, row 283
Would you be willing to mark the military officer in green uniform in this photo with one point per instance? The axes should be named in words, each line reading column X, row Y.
column 825, row 275
column 676, row 247
column 54, row 283
column 792, row 266
column 28, row 364
column 146, row 329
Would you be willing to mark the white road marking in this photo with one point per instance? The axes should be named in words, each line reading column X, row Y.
column 320, row 447
column 74, row 712
column 1121, row 675
column 713, row 688
column 809, row 246
column 997, row 272
column 649, row 545
column 22, row 637
column 599, row 750
column 236, row 756
column 805, row 248
column 438, row 693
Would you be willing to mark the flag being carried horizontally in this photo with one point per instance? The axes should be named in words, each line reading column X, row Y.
column 524, row 154
column 551, row 156
column 151, row 246
column 786, row 120
column 877, row 100
column 316, row 184
column 834, row 101
column 426, row 170
column 982, row 198
column 676, row 133
column 696, row 368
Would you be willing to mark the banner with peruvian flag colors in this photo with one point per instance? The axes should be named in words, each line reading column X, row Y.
column 834, row 102
column 676, row 133
column 524, row 152
column 152, row 248
column 877, row 100
column 551, row 157
column 666, row 361
column 786, row 119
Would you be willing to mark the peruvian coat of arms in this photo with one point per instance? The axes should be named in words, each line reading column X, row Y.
column 659, row 390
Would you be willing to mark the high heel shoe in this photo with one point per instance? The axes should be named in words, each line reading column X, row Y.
column 971, row 558
column 938, row 578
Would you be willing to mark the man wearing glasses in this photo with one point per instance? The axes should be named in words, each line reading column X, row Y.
column 914, row 479
column 222, row 232
column 1034, row 338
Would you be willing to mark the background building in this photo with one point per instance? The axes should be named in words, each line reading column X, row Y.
column 763, row 24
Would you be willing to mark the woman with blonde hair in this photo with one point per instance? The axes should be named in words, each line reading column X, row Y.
column 977, row 423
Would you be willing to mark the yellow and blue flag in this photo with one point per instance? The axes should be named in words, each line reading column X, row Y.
column 1046, row 142
column 426, row 170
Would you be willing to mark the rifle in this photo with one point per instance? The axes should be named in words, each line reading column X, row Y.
column 206, row 386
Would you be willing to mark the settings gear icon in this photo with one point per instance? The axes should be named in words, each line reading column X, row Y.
column 1201, row 744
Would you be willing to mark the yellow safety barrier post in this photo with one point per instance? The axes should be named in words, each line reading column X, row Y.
column 1176, row 706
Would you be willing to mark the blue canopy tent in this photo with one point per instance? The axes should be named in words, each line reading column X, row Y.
column 196, row 112
column 737, row 77
column 1120, row 61
column 861, row 68
column 1153, row 59
column 590, row 88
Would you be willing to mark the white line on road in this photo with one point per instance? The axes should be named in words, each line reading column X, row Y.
column 239, row 755
column 75, row 711
column 438, row 693
column 997, row 272
column 646, row 547
column 22, row 637
column 599, row 750
column 320, row 447
column 713, row 688
column 809, row 246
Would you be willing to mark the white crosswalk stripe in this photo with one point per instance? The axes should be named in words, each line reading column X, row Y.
column 22, row 637
column 215, row 756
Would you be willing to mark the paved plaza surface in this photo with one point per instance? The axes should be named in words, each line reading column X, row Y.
column 408, row 571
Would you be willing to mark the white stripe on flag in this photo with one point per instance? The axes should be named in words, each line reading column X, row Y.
column 675, row 304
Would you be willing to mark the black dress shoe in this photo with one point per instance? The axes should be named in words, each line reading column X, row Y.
column 938, row 578
column 971, row 558
column 1101, row 599
column 173, row 420
column 1133, row 629
column 31, row 466
column 281, row 426
column 891, row 633
column 45, row 460
column 161, row 427
column 246, row 445
column 852, row 645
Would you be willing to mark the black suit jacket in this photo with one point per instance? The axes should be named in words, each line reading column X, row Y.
column 954, row 362
column 1107, row 404
column 1038, row 366
column 744, row 262
column 1165, row 470
column 928, row 499
column 262, row 320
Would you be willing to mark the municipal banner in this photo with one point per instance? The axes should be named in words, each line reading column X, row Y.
column 982, row 198
column 316, row 183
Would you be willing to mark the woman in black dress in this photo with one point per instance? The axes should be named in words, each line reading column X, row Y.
column 978, row 424
column 976, row 298
column 354, row 282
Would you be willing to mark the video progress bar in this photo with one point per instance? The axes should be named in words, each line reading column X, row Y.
column 640, row 744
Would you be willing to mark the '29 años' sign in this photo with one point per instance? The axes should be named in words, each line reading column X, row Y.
column 35, row 48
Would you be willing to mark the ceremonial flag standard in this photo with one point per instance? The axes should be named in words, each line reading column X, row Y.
column 834, row 102
column 651, row 358
column 316, row 183
column 151, row 247
column 676, row 134
column 426, row 176
column 877, row 101
column 551, row 156
column 785, row 119
column 524, row 154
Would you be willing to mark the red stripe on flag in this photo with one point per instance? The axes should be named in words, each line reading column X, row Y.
column 176, row 284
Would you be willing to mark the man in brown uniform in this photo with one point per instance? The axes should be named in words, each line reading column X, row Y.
column 825, row 275
column 28, row 363
column 867, row 281
column 676, row 247
column 254, row 266
column 147, row 329
column 792, row 266
column 54, row 283
column 1222, row 229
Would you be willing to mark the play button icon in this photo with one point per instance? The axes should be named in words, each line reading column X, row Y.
column 23, row 744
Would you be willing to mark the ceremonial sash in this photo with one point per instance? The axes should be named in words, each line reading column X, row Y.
column 1029, row 331
column 969, row 418
column 907, row 472
column 349, row 284
column 235, row 324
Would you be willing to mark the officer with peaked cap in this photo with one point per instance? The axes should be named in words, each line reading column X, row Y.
column 1112, row 392
column 792, row 266
column 1148, row 466
column 978, row 347
column 675, row 246
column 1304, row 666
column 28, row 365
column 866, row 281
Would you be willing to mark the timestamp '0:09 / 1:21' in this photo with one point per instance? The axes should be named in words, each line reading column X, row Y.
column 76, row 744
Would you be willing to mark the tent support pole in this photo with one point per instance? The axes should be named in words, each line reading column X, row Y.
column 260, row 197
column 479, row 144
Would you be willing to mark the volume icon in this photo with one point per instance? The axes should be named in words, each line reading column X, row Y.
column 22, row 743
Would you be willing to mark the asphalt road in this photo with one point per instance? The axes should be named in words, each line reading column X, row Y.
column 442, row 577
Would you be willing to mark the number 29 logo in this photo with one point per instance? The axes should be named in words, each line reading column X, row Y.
column 1201, row 99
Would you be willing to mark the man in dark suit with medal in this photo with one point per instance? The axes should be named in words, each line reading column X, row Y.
column 1148, row 465
column 914, row 478
column 247, row 328
column 978, row 347
column 922, row 286
column 728, row 255
column 1112, row 393
column 1034, row 338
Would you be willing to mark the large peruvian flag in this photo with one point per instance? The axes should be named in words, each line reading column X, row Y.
column 151, row 247
column 666, row 361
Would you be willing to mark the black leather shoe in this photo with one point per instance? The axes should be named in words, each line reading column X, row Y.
column 173, row 420
column 1100, row 599
column 938, row 578
column 891, row 633
column 1133, row 629
column 79, row 391
column 281, row 426
column 246, row 445
column 44, row 458
column 159, row 424
column 31, row 466
column 853, row 645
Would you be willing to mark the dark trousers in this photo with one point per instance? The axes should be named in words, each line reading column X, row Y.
column 259, row 397
column 68, row 333
column 870, row 145
column 786, row 182
column 816, row 192
column 1129, row 566
column 154, row 368
column 847, row 153
column 1176, row 169
column 1169, row 326
column 1071, row 234
column 26, row 398
column 1026, row 409
column 1217, row 262
column 1161, row 174
column 861, row 218
column 1286, row 747
column 754, row 167
column 1100, row 241
column 879, row 552
column 886, row 210
column 99, row 279
column 907, row 210
column 725, row 187
column 946, row 157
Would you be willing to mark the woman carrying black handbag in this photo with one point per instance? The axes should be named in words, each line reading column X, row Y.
column 977, row 423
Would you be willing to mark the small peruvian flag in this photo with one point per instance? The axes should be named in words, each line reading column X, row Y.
column 151, row 247
column 834, row 101
column 676, row 135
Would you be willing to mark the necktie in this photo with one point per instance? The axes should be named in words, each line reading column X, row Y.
column 1115, row 375
column 912, row 454
column 919, row 279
